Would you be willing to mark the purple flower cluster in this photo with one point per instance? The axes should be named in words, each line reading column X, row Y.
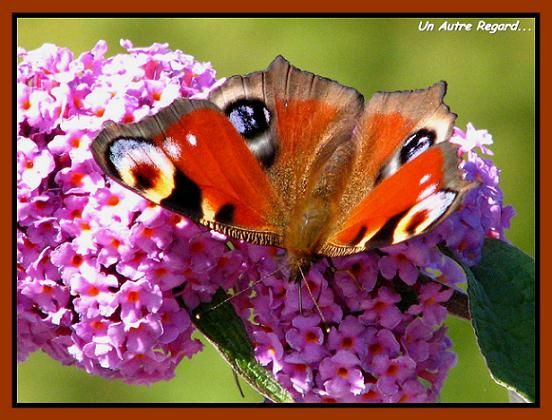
column 97, row 265
column 355, row 336
column 370, row 326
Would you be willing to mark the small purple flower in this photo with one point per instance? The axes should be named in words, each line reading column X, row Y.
column 341, row 374
column 79, row 179
column 268, row 350
column 142, row 334
column 71, row 262
column 355, row 277
column 416, row 340
column 412, row 391
column 314, row 293
column 350, row 336
column 27, row 252
column 299, row 371
column 32, row 207
column 111, row 244
column 95, row 296
column 45, row 230
column 382, row 309
column 380, row 343
column 151, row 239
column 307, row 337
column 116, row 205
column 33, row 165
column 403, row 260
column 136, row 298
column 174, row 321
column 471, row 139
column 51, row 299
column 392, row 372
column 431, row 295
column 203, row 251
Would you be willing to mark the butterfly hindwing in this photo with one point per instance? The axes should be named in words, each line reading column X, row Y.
column 190, row 159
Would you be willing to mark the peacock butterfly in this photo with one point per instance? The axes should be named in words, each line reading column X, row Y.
column 286, row 158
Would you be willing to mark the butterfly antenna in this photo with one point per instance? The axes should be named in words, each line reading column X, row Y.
column 229, row 298
column 322, row 318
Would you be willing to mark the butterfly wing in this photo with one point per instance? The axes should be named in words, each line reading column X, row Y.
column 190, row 159
column 405, row 177
column 241, row 161
column 293, row 121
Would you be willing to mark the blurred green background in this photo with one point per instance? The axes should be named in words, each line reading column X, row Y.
column 491, row 80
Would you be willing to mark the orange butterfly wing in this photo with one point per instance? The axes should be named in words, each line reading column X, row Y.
column 405, row 204
column 405, row 177
column 190, row 159
column 306, row 148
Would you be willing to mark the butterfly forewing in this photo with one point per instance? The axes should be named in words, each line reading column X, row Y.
column 405, row 177
column 404, row 205
column 190, row 159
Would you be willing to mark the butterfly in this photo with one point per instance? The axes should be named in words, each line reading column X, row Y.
column 286, row 158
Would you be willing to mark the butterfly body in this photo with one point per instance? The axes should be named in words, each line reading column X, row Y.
column 287, row 158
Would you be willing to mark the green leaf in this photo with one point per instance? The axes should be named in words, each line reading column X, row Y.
column 501, row 290
column 220, row 324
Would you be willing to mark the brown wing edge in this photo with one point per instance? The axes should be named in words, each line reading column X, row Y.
column 255, row 83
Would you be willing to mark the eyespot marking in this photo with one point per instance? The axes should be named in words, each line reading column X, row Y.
column 252, row 119
column 141, row 165
column 424, row 214
column 416, row 220
column 416, row 144
column 249, row 116
column 145, row 176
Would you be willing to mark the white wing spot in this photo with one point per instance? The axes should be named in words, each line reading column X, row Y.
column 424, row 179
column 190, row 138
column 172, row 148
column 427, row 191
column 433, row 207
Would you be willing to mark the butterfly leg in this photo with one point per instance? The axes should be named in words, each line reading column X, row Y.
column 300, row 298
column 331, row 265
